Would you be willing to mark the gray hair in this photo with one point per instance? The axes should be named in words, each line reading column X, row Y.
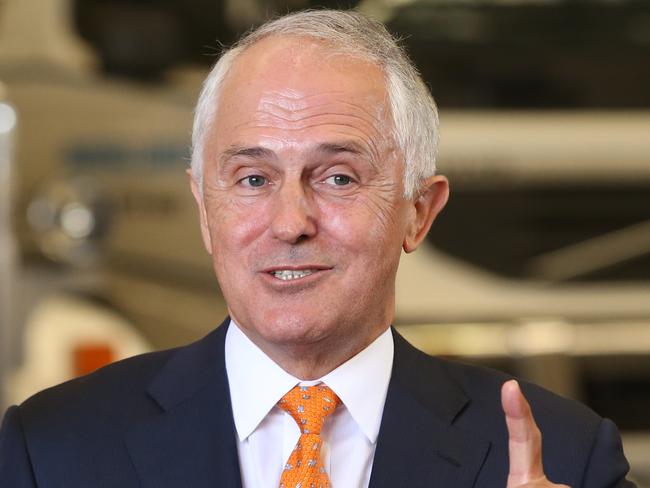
column 414, row 112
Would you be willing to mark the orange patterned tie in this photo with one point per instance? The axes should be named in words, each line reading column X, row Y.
column 308, row 405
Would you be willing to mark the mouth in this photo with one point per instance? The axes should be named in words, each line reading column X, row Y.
column 293, row 273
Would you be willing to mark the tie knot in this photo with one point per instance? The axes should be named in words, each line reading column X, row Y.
column 309, row 406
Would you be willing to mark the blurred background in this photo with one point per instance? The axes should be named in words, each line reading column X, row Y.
column 539, row 266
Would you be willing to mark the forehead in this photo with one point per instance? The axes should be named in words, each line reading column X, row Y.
column 298, row 86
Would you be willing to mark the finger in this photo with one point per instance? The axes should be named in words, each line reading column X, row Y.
column 524, row 438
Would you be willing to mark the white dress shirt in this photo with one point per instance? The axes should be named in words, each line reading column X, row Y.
column 267, row 434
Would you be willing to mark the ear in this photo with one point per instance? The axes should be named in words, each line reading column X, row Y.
column 426, row 207
column 203, row 217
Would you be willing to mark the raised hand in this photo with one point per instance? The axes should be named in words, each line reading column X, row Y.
column 524, row 441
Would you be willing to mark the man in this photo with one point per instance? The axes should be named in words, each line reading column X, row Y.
column 313, row 167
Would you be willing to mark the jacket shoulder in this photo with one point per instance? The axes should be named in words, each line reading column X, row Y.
column 116, row 392
column 571, row 431
column 483, row 387
column 79, row 422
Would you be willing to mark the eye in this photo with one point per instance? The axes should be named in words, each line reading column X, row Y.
column 254, row 181
column 339, row 180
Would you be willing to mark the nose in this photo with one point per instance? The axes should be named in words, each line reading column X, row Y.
column 293, row 213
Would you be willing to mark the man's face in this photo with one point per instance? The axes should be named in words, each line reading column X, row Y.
column 302, row 210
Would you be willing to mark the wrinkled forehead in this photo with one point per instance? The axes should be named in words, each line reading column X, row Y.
column 297, row 73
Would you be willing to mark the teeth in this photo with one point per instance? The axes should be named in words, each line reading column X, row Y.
column 288, row 274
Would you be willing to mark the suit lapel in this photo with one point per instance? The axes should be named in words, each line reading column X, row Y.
column 418, row 444
column 192, row 441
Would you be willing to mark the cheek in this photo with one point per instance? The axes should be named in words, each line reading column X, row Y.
column 367, row 229
column 234, row 226
column 343, row 225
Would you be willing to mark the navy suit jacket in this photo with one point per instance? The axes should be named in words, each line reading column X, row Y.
column 165, row 420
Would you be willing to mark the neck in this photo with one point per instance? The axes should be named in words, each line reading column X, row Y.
column 315, row 361
column 311, row 361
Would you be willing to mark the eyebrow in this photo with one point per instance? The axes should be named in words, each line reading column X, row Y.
column 351, row 147
column 325, row 148
column 254, row 152
column 340, row 147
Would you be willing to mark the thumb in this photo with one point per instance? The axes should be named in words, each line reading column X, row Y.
column 524, row 438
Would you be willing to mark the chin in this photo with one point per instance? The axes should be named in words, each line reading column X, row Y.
column 291, row 327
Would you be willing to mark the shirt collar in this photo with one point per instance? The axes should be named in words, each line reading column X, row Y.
column 362, row 383
column 257, row 383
